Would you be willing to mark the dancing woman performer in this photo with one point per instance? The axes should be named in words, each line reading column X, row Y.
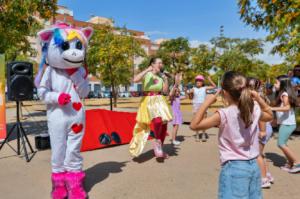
column 153, row 109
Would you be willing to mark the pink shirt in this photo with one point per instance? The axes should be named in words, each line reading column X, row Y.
column 235, row 141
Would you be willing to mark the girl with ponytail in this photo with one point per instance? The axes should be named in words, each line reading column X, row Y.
column 238, row 135
column 285, row 114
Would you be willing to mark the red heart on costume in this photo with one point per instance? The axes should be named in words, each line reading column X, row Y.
column 77, row 106
column 76, row 128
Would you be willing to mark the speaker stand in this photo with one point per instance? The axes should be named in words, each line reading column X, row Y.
column 21, row 137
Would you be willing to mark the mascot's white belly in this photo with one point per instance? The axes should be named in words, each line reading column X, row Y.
column 71, row 112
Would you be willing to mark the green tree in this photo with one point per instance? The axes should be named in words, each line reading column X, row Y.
column 276, row 70
column 280, row 18
column 203, row 58
column 18, row 20
column 111, row 57
column 259, row 70
column 249, row 47
column 234, row 60
column 175, row 54
column 239, row 55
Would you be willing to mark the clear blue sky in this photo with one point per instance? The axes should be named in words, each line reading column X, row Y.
column 197, row 20
column 194, row 19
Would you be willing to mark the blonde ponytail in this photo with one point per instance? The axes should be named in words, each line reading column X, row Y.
column 246, row 105
column 236, row 85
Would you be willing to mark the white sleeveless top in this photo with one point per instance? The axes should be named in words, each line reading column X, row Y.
column 199, row 95
column 286, row 118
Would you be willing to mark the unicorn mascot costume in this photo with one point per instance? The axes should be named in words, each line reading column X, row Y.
column 61, row 85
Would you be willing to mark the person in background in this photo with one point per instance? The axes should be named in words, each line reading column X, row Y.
column 296, row 71
column 175, row 99
column 198, row 95
column 295, row 78
column 270, row 94
column 286, row 102
column 290, row 73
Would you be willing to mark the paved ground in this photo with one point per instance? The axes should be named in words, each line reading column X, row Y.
column 190, row 173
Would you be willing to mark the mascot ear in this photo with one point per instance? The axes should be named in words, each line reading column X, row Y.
column 88, row 32
column 45, row 35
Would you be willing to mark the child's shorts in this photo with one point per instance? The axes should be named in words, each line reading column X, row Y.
column 285, row 131
column 269, row 132
column 196, row 107
column 240, row 179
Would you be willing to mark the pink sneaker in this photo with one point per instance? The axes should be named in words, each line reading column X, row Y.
column 295, row 169
column 59, row 190
column 74, row 181
column 157, row 149
column 286, row 167
column 265, row 183
column 270, row 177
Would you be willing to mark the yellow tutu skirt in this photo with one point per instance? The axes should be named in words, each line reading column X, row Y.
column 151, row 107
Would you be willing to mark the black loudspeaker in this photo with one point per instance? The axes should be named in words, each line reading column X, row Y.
column 19, row 81
column 42, row 142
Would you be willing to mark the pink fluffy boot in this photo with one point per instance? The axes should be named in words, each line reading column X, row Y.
column 74, row 181
column 157, row 149
column 59, row 190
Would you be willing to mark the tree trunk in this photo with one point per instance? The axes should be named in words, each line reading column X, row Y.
column 113, row 88
column 114, row 94
column 115, row 98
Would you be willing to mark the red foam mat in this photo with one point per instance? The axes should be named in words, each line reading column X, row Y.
column 100, row 121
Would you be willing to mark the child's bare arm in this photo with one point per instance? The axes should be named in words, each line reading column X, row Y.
column 206, row 123
column 191, row 94
column 201, row 123
column 140, row 76
column 286, row 105
column 212, row 84
column 186, row 95
column 172, row 93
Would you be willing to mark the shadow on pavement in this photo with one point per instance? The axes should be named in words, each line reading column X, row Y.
column 144, row 157
column 181, row 138
column 277, row 160
column 100, row 172
column 168, row 148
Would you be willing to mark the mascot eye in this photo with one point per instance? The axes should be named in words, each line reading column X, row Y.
column 78, row 45
column 65, row 45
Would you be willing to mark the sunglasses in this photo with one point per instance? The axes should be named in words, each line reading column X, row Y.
column 106, row 139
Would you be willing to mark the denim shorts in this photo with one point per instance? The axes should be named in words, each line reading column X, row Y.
column 240, row 179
